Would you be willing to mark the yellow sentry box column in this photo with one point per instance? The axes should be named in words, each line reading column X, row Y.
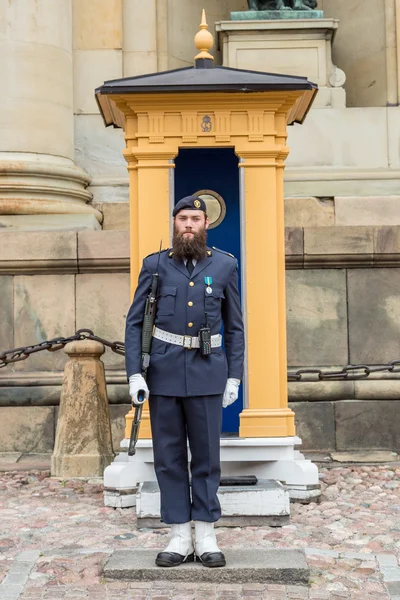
column 248, row 111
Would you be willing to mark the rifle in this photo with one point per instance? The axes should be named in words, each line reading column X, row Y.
column 147, row 337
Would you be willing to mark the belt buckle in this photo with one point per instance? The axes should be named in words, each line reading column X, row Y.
column 187, row 342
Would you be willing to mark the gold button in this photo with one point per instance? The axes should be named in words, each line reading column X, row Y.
column 190, row 303
column 191, row 284
column 190, row 324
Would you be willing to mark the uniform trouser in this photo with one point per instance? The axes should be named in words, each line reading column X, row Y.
column 173, row 421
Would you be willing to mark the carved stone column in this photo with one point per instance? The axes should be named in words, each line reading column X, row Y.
column 40, row 186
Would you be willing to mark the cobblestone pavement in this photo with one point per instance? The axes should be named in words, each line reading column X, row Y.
column 56, row 535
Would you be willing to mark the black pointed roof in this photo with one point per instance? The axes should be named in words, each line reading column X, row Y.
column 192, row 79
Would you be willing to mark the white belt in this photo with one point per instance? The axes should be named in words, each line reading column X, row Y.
column 187, row 341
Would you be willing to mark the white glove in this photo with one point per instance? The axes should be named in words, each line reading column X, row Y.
column 231, row 392
column 137, row 383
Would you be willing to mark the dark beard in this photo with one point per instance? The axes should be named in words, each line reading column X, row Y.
column 194, row 247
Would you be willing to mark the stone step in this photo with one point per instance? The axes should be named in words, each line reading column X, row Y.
column 283, row 566
column 266, row 503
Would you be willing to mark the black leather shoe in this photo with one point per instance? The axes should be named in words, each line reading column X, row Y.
column 212, row 559
column 172, row 559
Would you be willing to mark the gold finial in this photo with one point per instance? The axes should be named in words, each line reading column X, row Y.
column 203, row 39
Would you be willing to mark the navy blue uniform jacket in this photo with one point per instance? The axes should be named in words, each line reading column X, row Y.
column 183, row 299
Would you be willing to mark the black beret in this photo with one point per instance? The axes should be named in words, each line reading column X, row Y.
column 189, row 203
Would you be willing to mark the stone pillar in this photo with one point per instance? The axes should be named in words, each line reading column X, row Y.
column 40, row 186
column 83, row 446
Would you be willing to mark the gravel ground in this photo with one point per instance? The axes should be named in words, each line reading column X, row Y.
column 55, row 537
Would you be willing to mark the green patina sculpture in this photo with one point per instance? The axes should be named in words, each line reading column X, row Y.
column 278, row 10
column 282, row 4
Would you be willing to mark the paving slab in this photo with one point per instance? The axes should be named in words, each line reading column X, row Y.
column 24, row 462
column 376, row 456
column 243, row 566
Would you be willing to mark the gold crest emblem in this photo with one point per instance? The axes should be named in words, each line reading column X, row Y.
column 197, row 203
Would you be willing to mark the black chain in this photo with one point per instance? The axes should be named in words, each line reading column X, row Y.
column 17, row 354
column 348, row 373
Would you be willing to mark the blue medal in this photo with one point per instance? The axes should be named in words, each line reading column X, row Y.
column 208, row 282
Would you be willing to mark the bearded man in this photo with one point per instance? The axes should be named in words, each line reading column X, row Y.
column 198, row 289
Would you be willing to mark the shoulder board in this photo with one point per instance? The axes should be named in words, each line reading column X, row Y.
column 223, row 251
column 153, row 253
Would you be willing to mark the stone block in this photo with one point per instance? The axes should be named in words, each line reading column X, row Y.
column 348, row 137
column 306, row 391
column 110, row 192
column 143, row 37
column 98, row 149
column 97, row 24
column 350, row 211
column 384, row 389
column 44, row 308
column 284, row 566
column 294, row 241
column 394, row 135
column 105, row 250
column 26, row 429
column 315, row 424
column 115, row 216
column 102, row 303
column 374, row 308
column 367, row 424
column 6, row 313
column 338, row 240
column 309, row 212
column 139, row 63
column 387, row 240
column 332, row 180
column 28, row 395
column 33, row 250
column 91, row 69
column 117, row 416
column 316, row 317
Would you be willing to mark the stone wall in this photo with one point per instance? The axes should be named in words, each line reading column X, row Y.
column 343, row 306
column 342, row 209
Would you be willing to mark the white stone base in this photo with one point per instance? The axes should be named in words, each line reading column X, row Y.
column 266, row 458
column 265, row 500
column 116, row 499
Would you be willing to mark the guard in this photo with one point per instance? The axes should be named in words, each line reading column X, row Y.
column 190, row 377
